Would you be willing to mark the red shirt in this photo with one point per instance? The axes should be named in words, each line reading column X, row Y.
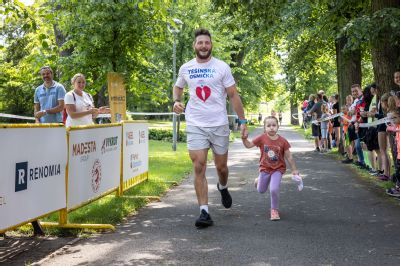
column 272, row 153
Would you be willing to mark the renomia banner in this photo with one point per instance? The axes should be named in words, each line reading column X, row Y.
column 32, row 177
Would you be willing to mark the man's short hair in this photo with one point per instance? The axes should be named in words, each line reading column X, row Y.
column 321, row 92
column 356, row 86
column 201, row 31
column 46, row 68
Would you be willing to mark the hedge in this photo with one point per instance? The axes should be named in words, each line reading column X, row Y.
column 165, row 135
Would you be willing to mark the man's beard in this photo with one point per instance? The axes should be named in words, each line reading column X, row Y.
column 203, row 56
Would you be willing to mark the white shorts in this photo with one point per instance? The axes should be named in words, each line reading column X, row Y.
column 216, row 138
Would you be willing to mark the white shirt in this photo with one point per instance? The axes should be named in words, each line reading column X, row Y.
column 207, row 84
column 82, row 103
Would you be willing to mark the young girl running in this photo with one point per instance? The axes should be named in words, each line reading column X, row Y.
column 274, row 150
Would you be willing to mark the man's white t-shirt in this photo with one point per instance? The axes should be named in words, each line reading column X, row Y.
column 207, row 84
column 82, row 103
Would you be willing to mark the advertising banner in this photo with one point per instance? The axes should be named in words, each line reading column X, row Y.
column 135, row 149
column 117, row 97
column 32, row 178
column 94, row 163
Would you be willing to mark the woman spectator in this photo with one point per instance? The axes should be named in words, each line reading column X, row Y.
column 79, row 104
column 336, row 123
column 382, row 109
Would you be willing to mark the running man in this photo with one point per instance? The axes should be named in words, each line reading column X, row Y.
column 210, row 81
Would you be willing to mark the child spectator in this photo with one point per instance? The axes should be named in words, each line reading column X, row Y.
column 274, row 150
column 395, row 117
column 348, row 148
column 324, row 128
column 382, row 136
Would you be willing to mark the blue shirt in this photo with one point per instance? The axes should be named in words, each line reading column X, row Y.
column 48, row 98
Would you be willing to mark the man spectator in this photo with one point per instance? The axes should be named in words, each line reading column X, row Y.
column 358, row 107
column 48, row 107
column 49, row 99
column 210, row 81
column 315, row 128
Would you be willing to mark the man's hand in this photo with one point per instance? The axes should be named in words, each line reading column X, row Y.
column 39, row 114
column 178, row 107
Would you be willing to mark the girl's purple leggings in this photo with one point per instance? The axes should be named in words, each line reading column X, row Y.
column 274, row 182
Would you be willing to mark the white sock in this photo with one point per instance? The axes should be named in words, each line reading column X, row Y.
column 221, row 187
column 204, row 207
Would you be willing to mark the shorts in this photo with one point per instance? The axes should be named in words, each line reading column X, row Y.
column 351, row 131
column 316, row 130
column 200, row 138
column 336, row 122
column 371, row 139
column 381, row 128
column 324, row 133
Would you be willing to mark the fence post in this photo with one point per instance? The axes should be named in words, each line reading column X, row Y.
column 174, row 132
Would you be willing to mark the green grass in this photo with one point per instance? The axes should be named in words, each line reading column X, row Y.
column 164, row 166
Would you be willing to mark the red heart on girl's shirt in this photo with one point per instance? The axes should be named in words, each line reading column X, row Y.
column 203, row 92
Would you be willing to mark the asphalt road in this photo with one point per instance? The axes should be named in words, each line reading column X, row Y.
column 338, row 219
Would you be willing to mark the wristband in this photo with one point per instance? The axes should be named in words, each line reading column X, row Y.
column 242, row 121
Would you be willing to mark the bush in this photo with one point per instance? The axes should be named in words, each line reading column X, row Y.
column 165, row 135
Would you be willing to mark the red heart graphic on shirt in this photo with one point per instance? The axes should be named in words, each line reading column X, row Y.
column 203, row 92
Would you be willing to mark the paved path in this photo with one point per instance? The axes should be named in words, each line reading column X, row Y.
column 337, row 219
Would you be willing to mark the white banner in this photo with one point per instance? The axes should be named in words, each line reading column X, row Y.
column 32, row 178
column 94, row 163
column 135, row 149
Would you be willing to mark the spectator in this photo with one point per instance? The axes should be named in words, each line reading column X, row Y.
column 371, row 135
column 382, row 109
column 280, row 118
column 359, row 105
column 79, row 104
column 348, row 147
column 336, row 123
column 48, row 99
column 324, row 128
column 48, row 106
column 315, row 128
column 395, row 116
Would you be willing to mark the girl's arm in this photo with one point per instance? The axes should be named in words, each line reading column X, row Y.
column 247, row 143
column 289, row 158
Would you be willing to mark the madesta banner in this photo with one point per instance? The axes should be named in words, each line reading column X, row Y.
column 94, row 163
column 32, row 177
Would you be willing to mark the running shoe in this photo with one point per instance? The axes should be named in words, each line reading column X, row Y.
column 383, row 177
column 226, row 198
column 347, row 161
column 394, row 192
column 204, row 220
column 274, row 215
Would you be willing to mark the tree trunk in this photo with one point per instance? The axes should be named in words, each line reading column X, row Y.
column 291, row 83
column 385, row 54
column 348, row 67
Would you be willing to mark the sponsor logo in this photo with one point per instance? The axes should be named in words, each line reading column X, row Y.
column 23, row 174
column 129, row 138
column 83, row 149
column 142, row 136
column 118, row 98
column 96, row 175
column 109, row 144
column 135, row 162
column 2, row 201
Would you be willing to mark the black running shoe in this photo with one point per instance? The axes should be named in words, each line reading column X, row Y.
column 226, row 198
column 204, row 220
column 347, row 161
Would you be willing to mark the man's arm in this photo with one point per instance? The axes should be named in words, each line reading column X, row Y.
column 177, row 93
column 57, row 108
column 37, row 113
column 237, row 105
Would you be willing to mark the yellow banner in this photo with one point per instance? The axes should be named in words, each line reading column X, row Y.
column 117, row 96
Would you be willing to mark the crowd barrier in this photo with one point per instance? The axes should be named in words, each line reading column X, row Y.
column 46, row 168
